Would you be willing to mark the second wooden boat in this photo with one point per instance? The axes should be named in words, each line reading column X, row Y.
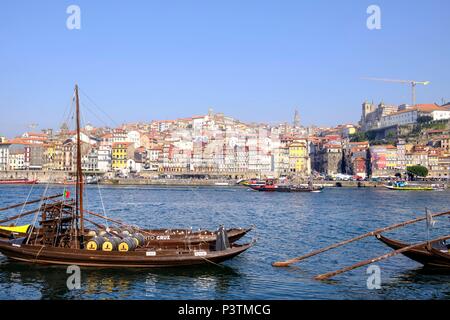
column 436, row 255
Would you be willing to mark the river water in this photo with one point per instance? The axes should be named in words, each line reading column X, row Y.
column 286, row 225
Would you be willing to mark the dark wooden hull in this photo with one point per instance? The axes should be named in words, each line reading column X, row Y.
column 114, row 259
column 429, row 257
column 18, row 181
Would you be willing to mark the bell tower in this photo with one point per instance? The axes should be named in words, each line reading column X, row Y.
column 296, row 119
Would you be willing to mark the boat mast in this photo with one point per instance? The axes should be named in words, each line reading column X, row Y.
column 79, row 184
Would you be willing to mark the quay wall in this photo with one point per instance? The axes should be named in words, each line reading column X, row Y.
column 40, row 175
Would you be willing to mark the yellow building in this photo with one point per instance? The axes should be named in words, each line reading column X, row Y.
column 49, row 157
column 121, row 152
column 299, row 157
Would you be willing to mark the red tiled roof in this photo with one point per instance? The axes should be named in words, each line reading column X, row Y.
column 121, row 143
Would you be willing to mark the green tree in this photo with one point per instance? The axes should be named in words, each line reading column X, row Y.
column 424, row 119
column 419, row 171
column 368, row 163
column 358, row 137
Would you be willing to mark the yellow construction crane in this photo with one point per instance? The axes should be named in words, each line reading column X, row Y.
column 413, row 84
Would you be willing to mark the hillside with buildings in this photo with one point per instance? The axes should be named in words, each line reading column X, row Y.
column 386, row 142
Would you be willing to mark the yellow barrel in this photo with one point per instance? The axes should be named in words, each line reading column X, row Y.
column 139, row 239
column 127, row 244
column 95, row 243
column 110, row 244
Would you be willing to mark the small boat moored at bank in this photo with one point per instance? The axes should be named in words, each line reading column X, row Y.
column 402, row 185
column 271, row 186
column 18, row 181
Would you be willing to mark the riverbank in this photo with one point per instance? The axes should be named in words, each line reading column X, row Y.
column 58, row 177
column 232, row 183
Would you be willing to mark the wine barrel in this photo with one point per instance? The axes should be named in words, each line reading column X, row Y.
column 110, row 244
column 125, row 233
column 92, row 233
column 139, row 239
column 127, row 244
column 95, row 243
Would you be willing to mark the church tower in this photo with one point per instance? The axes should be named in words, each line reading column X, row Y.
column 296, row 119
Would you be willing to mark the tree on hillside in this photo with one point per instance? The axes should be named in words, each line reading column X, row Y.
column 424, row 119
column 418, row 171
column 358, row 137
column 368, row 163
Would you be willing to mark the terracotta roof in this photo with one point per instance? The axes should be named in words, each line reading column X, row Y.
column 333, row 146
column 427, row 108
column 121, row 143
column 36, row 134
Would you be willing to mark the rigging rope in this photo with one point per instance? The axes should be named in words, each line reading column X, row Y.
column 36, row 216
column 103, row 205
column 23, row 207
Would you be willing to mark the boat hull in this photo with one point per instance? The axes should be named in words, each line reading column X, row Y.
column 410, row 188
column 140, row 258
column 429, row 257
column 285, row 189
column 18, row 181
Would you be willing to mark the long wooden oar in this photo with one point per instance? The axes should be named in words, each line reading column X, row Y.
column 336, row 245
column 30, row 202
column 373, row 260
column 120, row 223
column 19, row 215
column 106, row 218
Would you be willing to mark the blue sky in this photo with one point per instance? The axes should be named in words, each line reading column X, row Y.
column 253, row 60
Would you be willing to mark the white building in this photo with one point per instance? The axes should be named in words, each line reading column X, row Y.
column 4, row 156
column 440, row 115
column 16, row 161
column 134, row 137
column 133, row 166
column 412, row 114
column 89, row 162
column 104, row 158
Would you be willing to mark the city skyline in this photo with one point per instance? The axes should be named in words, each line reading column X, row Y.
column 154, row 61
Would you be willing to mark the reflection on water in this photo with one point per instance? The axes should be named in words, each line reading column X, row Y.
column 49, row 282
column 287, row 225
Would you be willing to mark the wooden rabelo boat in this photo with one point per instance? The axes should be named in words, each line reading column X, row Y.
column 435, row 255
column 62, row 239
